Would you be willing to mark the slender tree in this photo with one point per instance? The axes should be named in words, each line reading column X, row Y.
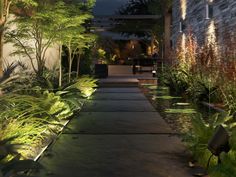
column 36, row 32
column 49, row 23
column 86, row 43
column 76, row 41
column 75, row 35
column 5, row 7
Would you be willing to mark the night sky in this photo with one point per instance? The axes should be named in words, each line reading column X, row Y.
column 108, row 7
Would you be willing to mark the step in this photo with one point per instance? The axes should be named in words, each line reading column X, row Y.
column 118, row 82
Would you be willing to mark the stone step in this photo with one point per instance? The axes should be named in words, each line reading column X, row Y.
column 118, row 82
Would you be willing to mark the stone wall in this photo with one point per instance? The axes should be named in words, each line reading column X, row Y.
column 221, row 26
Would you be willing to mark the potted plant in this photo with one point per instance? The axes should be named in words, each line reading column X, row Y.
column 101, row 68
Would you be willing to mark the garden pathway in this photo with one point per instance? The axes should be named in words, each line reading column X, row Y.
column 117, row 134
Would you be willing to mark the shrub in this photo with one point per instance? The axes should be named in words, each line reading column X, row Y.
column 176, row 80
column 228, row 91
column 85, row 84
column 203, row 88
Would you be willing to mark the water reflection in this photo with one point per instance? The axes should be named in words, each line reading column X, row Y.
column 177, row 111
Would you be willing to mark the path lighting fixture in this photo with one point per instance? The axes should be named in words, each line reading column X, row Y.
column 154, row 72
column 209, row 10
column 219, row 142
column 181, row 26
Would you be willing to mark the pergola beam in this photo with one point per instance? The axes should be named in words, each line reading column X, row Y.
column 128, row 17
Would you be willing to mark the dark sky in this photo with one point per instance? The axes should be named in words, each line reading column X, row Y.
column 108, row 7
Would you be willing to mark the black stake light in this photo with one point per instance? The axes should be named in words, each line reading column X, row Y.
column 219, row 142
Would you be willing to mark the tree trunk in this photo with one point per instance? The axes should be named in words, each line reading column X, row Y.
column 70, row 64
column 2, row 19
column 39, row 56
column 78, row 64
column 1, row 50
column 60, row 67
column 167, row 35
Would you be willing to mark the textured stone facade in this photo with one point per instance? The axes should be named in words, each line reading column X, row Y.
column 222, row 24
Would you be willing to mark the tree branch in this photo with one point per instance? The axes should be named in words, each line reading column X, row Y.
column 26, row 52
column 8, row 8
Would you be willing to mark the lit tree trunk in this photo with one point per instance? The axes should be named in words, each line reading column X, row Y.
column 60, row 67
column 4, row 12
column 78, row 64
column 1, row 50
column 2, row 24
column 167, row 35
column 70, row 63
column 41, row 59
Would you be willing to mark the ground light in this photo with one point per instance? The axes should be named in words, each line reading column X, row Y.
column 219, row 142
column 154, row 72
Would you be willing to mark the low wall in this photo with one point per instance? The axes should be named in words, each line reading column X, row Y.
column 114, row 70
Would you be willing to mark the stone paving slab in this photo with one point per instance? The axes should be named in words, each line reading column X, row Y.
column 118, row 106
column 118, row 123
column 118, row 96
column 116, row 156
column 118, row 90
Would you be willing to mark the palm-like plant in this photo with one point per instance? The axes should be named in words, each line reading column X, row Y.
column 9, row 76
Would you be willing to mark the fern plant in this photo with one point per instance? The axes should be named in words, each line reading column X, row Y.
column 198, row 137
column 85, row 84
column 32, row 118
column 11, row 164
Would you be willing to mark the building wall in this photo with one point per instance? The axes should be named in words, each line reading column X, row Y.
column 219, row 29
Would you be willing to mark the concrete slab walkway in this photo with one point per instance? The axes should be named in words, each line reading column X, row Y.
column 117, row 134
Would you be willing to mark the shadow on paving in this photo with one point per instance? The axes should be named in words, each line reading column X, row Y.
column 116, row 156
column 118, row 106
column 118, row 90
column 118, row 96
column 118, row 123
